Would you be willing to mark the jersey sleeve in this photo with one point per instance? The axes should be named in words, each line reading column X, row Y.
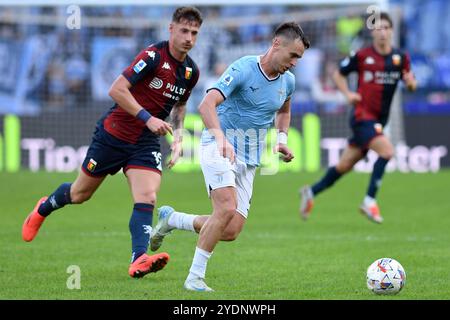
column 144, row 64
column 290, row 88
column 230, row 80
column 349, row 64
column 406, row 67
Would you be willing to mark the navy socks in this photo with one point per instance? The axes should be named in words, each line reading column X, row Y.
column 140, row 228
column 56, row 200
column 377, row 175
column 327, row 181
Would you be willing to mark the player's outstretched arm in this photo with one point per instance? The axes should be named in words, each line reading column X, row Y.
column 282, row 122
column 207, row 110
column 120, row 92
column 410, row 80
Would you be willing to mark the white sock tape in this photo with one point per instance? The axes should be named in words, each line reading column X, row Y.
column 282, row 137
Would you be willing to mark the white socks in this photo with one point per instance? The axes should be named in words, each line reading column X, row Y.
column 182, row 221
column 369, row 201
column 198, row 267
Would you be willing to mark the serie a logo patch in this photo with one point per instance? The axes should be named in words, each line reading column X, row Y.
column 139, row 66
column 91, row 165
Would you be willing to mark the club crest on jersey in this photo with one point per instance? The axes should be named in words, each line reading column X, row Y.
column 139, row 66
column 91, row 165
column 396, row 59
column 188, row 73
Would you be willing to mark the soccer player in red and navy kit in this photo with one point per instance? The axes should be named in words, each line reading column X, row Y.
column 379, row 67
column 157, row 83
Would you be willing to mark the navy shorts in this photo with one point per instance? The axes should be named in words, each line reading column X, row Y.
column 107, row 155
column 363, row 133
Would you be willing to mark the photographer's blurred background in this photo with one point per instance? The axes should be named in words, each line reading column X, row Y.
column 55, row 76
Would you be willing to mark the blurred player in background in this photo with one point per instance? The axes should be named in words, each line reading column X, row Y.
column 237, row 111
column 379, row 67
column 156, row 84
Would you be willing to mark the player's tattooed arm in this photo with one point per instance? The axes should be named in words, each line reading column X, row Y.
column 177, row 118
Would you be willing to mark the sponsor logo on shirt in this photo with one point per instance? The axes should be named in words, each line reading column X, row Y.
column 368, row 76
column 156, row 83
column 171, row 91
column 387, row 77
column 166, row 66
column 174, row 93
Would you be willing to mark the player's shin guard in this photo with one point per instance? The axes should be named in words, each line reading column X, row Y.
column 140, row 228
column 56, row 200
column 377, row 175
column 327, row 181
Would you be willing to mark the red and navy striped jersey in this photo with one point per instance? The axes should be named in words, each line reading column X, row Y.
column 158, row 82
column 378, row 76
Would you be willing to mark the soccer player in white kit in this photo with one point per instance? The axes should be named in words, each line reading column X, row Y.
column 253, row 93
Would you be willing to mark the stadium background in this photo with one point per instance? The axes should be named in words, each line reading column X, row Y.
column 54, row 88
column 56, row 77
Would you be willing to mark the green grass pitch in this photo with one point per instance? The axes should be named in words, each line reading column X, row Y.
column 277, row 256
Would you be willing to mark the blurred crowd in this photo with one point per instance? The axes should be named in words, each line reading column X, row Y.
column 68, row 61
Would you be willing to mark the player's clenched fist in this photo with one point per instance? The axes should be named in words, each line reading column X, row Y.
column 226, row 150
column 353, row 97
column 285, row 153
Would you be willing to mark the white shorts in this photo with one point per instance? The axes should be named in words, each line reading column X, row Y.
column 220, row 173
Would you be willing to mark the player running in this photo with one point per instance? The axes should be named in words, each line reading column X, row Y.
column 379, row 67
column 157, row 83
column 237, row 112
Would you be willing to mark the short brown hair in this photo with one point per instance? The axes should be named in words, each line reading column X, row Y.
column 292, row 31
column 190, row 14
column 387, row 17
